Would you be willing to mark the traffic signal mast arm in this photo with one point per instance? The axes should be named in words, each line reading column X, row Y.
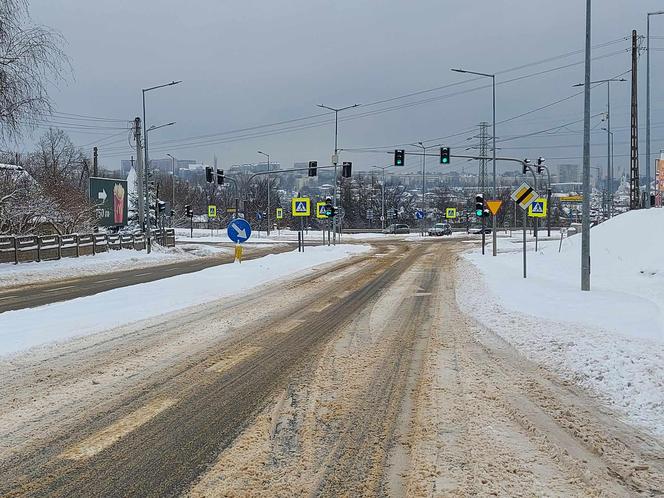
column 523, row 162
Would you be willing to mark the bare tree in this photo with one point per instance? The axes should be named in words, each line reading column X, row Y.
column 30, row 58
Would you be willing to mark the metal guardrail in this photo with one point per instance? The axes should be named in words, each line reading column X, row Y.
column 25, row 248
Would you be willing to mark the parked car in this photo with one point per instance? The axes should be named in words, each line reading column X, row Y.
column 440, row 229
column 478, row 230
column 397, row 228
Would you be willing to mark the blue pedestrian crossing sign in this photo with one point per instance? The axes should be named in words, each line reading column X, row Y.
column 239, row 231
column 537, row 208
column 300, row 206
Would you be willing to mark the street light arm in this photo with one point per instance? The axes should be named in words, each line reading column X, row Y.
column 161, row 86
column 152, row 128
column 473, row 72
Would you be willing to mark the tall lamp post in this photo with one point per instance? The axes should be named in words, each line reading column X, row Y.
column 424, row 163
column 608, row 127
column 268, row 190
column 335, row 157
column 648, row 104
column 147, row 163
column 609, row 181
column 382, row 216
column 585, row 216
column 493, row 129
column 173, row 189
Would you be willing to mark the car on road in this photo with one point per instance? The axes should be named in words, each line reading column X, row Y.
column 397, row 228
column 440, row 229
column 478, row 230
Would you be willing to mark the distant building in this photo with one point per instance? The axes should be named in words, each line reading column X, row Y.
column 569, row 173
column 165, row 165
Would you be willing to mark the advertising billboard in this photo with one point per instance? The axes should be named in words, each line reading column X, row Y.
column 109, row 195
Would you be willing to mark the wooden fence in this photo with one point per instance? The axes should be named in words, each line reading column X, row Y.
column 24, row 248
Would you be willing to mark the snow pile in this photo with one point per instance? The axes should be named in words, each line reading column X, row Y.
column 23, row 329
column 610, row 340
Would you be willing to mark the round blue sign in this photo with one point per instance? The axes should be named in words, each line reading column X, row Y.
column 239, row 231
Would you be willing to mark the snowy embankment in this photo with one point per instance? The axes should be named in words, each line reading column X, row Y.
column 609, row 340
column 106, row 262
column 27, row 328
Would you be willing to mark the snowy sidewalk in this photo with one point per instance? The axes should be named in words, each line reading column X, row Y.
column 609, row 340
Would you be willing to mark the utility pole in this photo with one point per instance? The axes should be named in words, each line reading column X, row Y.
column 139, row 172
column 585, row 222
column 94, row 162
column 484, row 139
column 634, row 193
column 424, row 188
column 172, row 188
column 268, row 190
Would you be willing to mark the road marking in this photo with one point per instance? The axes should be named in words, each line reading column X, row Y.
column 7, row 297
column 417, row 294
column 60, row 288
column 233, row 359
column 107, row 280
column 114, row 432
column 141, row 274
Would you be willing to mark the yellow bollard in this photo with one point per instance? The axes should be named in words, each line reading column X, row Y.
column 238, row 253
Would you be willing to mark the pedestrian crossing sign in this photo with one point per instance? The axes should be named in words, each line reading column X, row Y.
column 280, row 214
column 450, row 213
column 301, row 206
column 537, row 209
column 320, row 210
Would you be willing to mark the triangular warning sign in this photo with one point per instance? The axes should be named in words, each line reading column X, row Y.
column 538, row 207
column 301, row 207
column 494, row 206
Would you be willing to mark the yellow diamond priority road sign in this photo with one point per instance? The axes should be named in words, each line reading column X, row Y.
column 301, row 206
column 524, row 195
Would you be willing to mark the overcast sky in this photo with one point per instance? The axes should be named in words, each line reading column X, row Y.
column 247, row 63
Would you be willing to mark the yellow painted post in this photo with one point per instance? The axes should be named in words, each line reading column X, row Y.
column 238, row 253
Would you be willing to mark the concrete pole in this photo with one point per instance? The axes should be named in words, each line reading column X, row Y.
column 495, row 189
column 139, row 172
column 585, row 221
column 146, row 186
column 608, row 149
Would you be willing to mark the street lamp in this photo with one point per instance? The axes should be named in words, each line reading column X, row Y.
column 173, row 191
column 585, row 217
column 493, row 127
column 648, row 104
column 608, row 127
column 424, row 159
column 382, row 216
column 610, row 179
column 268, row 190
column 335, row 158
column 146, row 165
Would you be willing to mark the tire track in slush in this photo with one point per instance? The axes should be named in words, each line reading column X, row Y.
column 164, row 455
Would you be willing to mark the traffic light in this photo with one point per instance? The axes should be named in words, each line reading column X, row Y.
column 161, row 205
column 399, row 157
column 540, row 164
column 525, row 164
column 208, row 174
column 313, row 168
column 396, row 212
column 444, row 155
column 346, row 169
column 220, row 177
column 479, row 205
column 189, row 213
column 172, row 213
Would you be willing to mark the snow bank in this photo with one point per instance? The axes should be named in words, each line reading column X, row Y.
column 610, row 340
column 106, row 262
column 23, row 329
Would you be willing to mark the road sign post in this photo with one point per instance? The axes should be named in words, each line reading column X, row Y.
column 524, row 196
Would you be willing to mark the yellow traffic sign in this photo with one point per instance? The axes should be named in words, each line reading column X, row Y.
column 537, row 209
column 280, row 213
column 494, row 206
column 212, row 211
column 320, row 210
column 301, row 206
column 524, row 195
column 450, row 213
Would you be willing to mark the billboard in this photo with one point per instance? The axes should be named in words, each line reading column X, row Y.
column 659, row 183
column 109, row 195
